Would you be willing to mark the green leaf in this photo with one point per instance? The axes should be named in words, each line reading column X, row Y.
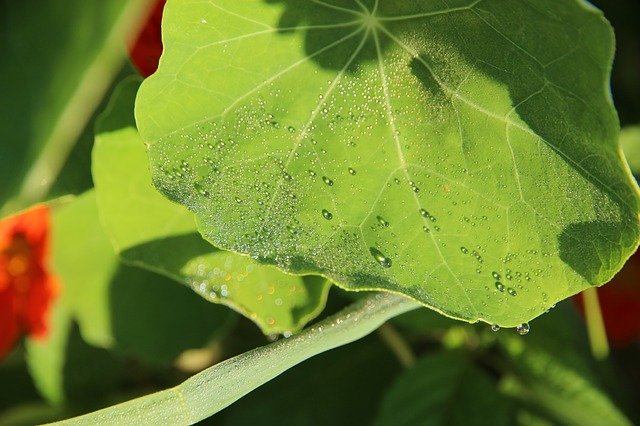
column 46, row 358
column 219, row 386
column 444, row 388
column 423, row 147
column 340, row 387
column 134, row 311
column 54, row 75
column 552, row 377
column 149, row 231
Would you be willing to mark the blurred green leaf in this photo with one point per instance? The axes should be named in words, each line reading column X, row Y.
column 59, row 59
column 46, row 358
column 563, row 392
column 152, row 232
column 630, row 141
column 444, row 388
column 135, row 311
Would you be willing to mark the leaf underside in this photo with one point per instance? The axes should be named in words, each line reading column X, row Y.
column 463, row 153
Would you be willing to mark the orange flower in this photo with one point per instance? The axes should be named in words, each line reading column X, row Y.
column 27, row 288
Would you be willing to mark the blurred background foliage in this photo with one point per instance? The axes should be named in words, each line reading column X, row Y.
column 119, row 331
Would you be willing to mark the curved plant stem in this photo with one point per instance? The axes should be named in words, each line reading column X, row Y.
column 397, row 344
column 219, row 386
column 595, row 324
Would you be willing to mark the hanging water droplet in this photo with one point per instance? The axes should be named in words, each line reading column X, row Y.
column 382, row 222
column 384, row 261
column 495, row 275
column 523, row 328
column 464, row 250
column 511, row 291
column 327, row 214
column 499, row 286
column 495, row 327
column 327, row 180
column 352, row 171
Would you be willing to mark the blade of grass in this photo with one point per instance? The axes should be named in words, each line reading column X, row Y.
column 219, row 386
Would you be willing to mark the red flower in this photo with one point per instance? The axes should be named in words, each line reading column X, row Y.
column 146, row 50
column 27, row 289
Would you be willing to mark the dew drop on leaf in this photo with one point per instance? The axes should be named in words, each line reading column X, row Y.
column 464, row 250
column 382, row 222
column 352, row 171
column 495, row 275
column 384, row 261
column 523, row 329
column 327, row 214
column 511, row 291
column 327, row 180
column 499, row 286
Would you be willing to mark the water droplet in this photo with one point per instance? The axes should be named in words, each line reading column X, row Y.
column 464, row 250
column 495, row 327
column 495, row 275
column 499, row 286
column 287, row 176
column 424, row 213
column 201, row 190
column 397, row 181
column 327, row 214
column 384, row 261
column 327, row 180
column 511, row 291
column 382, row 222
column 352, row 171
column 523, row 328
column 312, row 173
column 291, row 129
column 426, row 229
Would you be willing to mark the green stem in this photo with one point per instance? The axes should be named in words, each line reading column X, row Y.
column 398, row 345
column 595, row 324
column 219, row 386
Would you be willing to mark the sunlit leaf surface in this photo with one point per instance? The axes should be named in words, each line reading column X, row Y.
column 463, row 153
column 154, row 233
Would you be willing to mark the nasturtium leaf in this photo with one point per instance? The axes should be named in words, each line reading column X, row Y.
column 463, row 153
column 54, row 74
column 131, row 310
column 444, row 388
column 149, row 231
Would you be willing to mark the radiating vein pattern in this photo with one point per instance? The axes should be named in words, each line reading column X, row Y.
column 460, row 152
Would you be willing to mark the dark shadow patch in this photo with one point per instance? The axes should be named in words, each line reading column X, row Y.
column 307, row 14
column 594, row 249
column 155, row 319
column 171, row 252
